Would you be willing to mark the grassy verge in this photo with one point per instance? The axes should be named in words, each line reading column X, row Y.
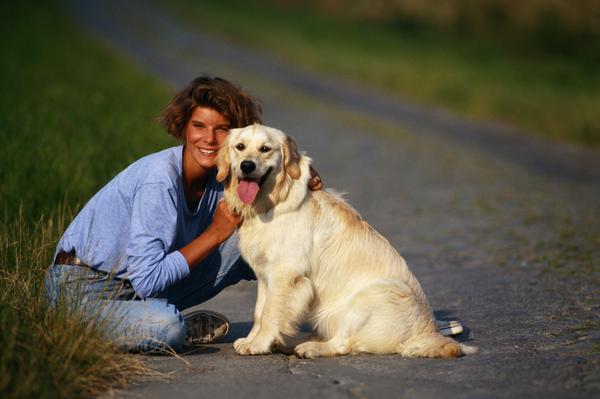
column 73, row 115
column 549, row 93
column 49, row 353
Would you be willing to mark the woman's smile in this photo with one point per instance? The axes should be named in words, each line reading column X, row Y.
column 208, row 153
column 205, row 133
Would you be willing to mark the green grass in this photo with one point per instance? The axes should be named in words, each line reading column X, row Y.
column 49, row 352
column 73, row 115
column 548, row 93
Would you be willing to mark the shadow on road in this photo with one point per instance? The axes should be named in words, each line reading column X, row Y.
column 199, row 350
column 237, row 330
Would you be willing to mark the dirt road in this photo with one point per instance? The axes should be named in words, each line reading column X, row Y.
column 502, row 230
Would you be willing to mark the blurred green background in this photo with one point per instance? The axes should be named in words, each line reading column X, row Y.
column 532, row 64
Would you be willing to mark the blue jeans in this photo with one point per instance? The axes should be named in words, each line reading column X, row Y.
column 146, row 325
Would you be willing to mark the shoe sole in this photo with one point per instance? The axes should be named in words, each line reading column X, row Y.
column 205, row 326
column 449, row 328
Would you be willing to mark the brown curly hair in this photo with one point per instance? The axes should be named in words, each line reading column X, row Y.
column 239, row 107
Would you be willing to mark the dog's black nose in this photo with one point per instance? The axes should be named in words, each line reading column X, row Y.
column 247, row 167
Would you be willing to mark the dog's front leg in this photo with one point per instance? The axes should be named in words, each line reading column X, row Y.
column 261, row 295
column 288, row 297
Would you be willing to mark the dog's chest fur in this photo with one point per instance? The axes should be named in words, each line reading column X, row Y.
column 253, row 244
column 267, row 241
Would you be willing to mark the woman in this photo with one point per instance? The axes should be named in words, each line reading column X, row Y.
column 157, row 239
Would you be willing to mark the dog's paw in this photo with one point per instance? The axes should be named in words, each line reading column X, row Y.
column 239, row 342
column 254, row 347
column 308, row 350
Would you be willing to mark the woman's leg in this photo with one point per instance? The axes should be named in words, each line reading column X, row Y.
column 150, row 325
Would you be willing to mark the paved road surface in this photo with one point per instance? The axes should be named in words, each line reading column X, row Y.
column 501, row 230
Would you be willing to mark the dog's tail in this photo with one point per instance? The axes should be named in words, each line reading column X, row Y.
column 435, row 345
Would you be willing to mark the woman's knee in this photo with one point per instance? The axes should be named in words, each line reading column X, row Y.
column 152, row 328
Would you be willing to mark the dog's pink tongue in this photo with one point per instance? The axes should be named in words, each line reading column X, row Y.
column 247, row 190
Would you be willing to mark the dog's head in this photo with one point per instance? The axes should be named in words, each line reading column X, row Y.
column 258, row 162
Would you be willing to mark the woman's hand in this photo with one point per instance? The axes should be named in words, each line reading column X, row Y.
column 315, row 183
column 224, row 222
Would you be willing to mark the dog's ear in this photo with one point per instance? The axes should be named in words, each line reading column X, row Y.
column 223, row 162
column 291, row 158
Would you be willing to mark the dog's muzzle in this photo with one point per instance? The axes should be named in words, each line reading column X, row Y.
column 247, row 167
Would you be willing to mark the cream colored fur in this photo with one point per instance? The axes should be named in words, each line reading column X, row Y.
column 315, row 259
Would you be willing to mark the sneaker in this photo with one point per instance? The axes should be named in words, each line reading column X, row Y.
column 448, row 328
column 204, row 326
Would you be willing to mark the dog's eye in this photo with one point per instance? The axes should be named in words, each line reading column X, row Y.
column 240, row 146
column 264, row 149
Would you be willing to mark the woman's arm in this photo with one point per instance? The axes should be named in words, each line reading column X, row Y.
column 222, row 227
column 152, row 264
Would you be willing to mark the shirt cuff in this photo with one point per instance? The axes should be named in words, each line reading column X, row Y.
column 181, row 264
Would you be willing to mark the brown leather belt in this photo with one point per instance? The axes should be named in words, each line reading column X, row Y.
column 126, row 292
column 66, row 258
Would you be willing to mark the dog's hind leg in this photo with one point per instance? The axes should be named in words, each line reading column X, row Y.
column 353, row 319
column 375, row 320
column 434, row 345
column 312, row 349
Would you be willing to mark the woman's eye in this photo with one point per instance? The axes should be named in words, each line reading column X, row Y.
column 240, row 146
column 264, row 148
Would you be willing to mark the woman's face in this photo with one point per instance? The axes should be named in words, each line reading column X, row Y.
column 205, row 133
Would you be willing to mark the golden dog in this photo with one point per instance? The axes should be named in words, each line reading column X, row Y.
column 316, row 259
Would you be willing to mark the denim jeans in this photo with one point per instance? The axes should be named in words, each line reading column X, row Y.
column 149, row 324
